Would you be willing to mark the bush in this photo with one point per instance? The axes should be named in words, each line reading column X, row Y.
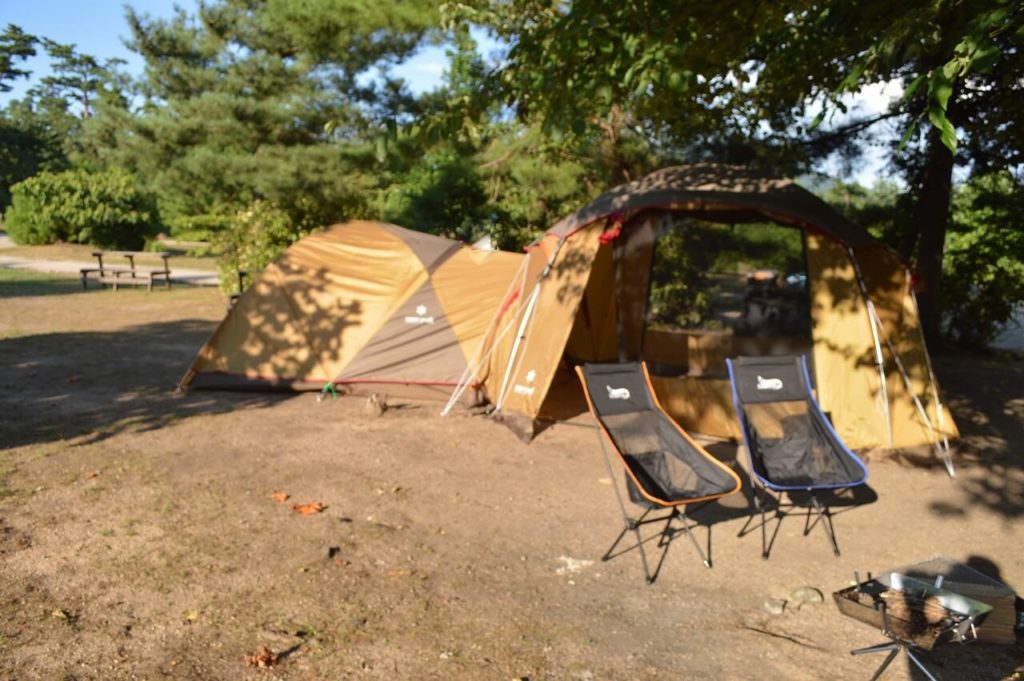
column 255, row 237
column 983, row 278
column 198, row 227
column 104, row 209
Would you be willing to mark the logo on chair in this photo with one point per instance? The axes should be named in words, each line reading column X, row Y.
column 617, row 393
column 769, row 383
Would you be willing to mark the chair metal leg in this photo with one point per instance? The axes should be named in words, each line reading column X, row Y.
column 764, row 526
column 826, row 521
column 643, row 554
column 689, row 532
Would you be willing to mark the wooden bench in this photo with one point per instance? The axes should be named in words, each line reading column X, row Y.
column 127, row 275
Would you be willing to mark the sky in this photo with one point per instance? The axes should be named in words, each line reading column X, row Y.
column 98, row 28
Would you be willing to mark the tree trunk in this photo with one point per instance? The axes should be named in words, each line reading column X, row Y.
column 930, row 220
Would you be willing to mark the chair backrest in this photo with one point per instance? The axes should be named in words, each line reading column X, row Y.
column 663, row 461
column 790, row 443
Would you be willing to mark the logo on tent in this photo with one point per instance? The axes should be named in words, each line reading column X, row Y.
column 421, row 316
column 531, row 376
column 617, row 393
column 769, row 383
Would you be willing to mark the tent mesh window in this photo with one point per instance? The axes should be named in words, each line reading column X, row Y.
column 724, row 289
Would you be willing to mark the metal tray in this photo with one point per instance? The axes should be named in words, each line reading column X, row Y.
column 866, row 603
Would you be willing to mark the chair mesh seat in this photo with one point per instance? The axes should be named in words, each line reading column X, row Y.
column 666, row 464
column 791, row 446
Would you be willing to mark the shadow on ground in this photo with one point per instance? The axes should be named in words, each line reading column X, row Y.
column 986, row 400
column 93, row 385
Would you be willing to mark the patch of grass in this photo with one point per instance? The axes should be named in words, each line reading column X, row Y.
column 18, row 283
column 6, row 469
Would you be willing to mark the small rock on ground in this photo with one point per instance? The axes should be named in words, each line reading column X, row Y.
column 774, row 606
column 807, row 594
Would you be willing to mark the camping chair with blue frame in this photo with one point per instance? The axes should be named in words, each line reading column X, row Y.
column 791, row 445
column 665, row 468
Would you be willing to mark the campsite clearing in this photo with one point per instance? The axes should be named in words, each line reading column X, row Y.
column 140, row 538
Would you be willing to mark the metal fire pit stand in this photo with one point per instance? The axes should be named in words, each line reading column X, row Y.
column 894, row 647
column 959, row 627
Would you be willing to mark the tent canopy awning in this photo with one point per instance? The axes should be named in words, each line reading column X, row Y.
column 733, row 193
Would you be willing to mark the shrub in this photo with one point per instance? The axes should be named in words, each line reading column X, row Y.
column 104, row 209
column 255, row 237
column 198, row 227
column 983, row 278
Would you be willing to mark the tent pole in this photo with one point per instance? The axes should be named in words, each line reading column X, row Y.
column 480, row 355
column 879, row 360
column 942, row 453
column 513, row 356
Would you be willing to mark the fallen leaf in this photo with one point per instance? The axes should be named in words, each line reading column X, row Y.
column 400, row 572
column 341, row 562
column 73, row 379
column 263, row 658
column 191, row 615
column 281, row 496
column 308, row 509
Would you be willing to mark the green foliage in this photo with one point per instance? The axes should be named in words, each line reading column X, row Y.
column 984, row 259
column 443, row 194
column 29, row 143
column 880, row 210
column 105, row 209
column 264, row 101
column 197, row 227
column 255, row 237
column 680, row 295
column 15, row 45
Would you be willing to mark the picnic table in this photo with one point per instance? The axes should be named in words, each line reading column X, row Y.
column 127, row 275
column 242, row 276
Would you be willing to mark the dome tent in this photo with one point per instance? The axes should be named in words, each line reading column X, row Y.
column 358, row 304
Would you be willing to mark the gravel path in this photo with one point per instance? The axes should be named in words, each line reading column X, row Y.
column 179, row 275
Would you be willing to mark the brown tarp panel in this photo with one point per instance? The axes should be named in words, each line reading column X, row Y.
column 594, row 337
column 703, row 405
column 416, row 345
column 634, row 256
column 559, row 295
column 431, row 250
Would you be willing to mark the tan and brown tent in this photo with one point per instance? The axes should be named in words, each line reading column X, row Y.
column 584, row 298
column 362, row 303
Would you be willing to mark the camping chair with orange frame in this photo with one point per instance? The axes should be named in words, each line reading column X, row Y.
column 665, row 468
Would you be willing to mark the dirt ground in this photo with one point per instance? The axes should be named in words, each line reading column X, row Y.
column 139, row 536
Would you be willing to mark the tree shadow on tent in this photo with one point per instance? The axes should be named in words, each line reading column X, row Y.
column 96, row 384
